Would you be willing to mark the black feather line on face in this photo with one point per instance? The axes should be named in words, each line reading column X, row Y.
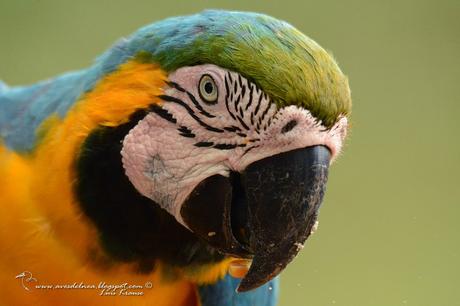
column 241, row 113
column 163, row 113
column 224, row 146
column 243, row 91
column 258, row 104
column 232, row 128
column 264, row 113
column 237, row 101
column 187, row 135
column 190, row 111
column 240, row 80
column 175, row 85
column 250, row 97
column 186, row 132
column 184, row 129
column 204, row 144
column 269, row 121
column 243, row 123
column 227, row 98
column 198, row 106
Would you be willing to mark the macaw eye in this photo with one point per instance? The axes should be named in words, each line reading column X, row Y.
column 208, row 89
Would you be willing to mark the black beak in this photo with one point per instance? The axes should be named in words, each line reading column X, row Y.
column 265, row 213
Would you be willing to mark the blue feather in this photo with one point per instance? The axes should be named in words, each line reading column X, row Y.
column 23, row 109
column 223, row 293
column 3, row 86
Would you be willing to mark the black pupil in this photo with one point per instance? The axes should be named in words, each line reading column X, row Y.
column 208, row 87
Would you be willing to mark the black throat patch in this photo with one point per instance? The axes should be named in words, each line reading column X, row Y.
column 132, row 228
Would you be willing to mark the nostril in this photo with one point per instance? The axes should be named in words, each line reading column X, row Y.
column 289, row 126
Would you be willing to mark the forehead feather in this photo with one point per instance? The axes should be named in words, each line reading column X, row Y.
column 286, row 64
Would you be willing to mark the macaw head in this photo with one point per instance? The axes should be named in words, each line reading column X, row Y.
column 231, row 156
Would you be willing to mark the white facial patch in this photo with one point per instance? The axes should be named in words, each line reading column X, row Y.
column 198, row 132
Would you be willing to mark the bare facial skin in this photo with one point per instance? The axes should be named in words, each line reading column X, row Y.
column 225, row 123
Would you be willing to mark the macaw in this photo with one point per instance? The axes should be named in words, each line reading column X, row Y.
column 190, row 160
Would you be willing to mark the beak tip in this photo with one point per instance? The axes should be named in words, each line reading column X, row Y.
column 243, row 287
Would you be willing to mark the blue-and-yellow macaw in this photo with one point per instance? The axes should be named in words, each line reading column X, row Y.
column 193, row 151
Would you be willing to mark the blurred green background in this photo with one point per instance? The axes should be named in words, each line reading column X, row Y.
column 389, row 229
